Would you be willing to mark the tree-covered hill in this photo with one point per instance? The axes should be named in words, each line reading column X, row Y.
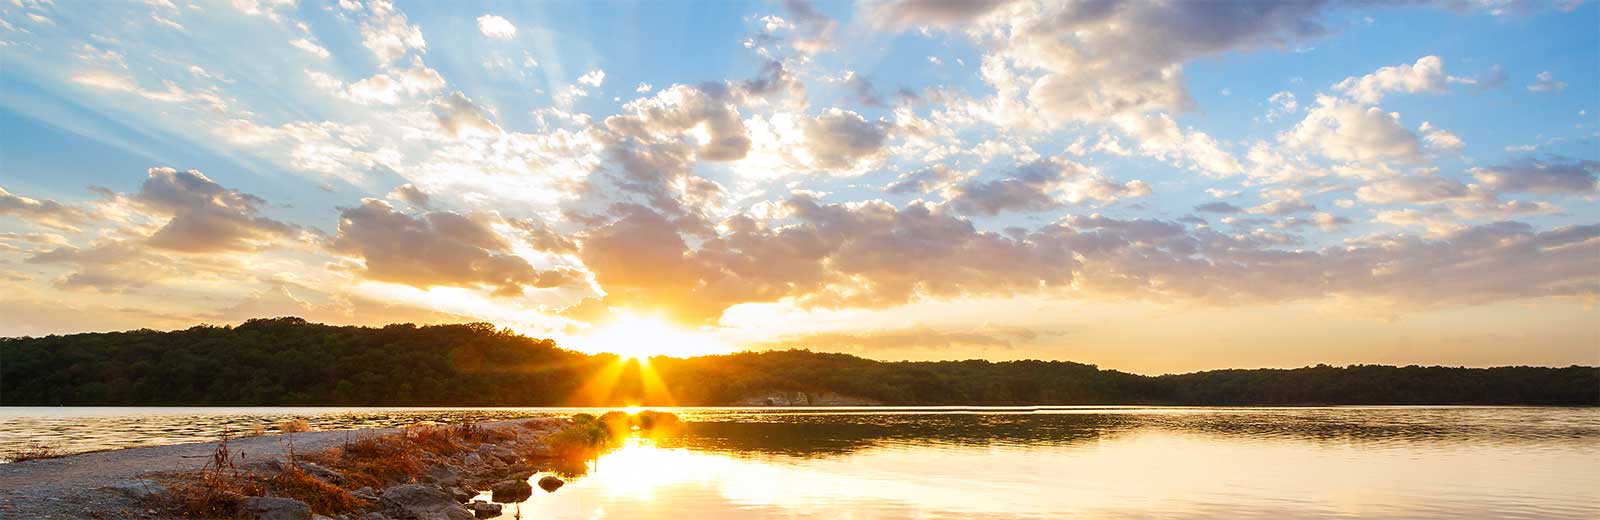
column 287, row 361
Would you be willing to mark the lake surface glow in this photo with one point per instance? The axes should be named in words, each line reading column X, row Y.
column 1082, row 462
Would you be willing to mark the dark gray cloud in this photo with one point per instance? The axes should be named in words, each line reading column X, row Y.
column 436, row 248
column 46, row 213
column 1555, row 175
column 1218, row 207
column 206, row 217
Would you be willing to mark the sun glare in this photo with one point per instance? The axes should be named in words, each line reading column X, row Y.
column 639, row 337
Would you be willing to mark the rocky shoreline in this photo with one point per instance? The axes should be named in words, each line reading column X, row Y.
column 454, row 472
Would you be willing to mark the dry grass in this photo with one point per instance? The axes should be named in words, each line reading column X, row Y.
column 378, row 461
column 218, row 490
column 294, row 426
column 324, row 498
column 34, row 451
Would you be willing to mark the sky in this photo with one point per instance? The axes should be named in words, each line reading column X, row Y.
column 1147, row 186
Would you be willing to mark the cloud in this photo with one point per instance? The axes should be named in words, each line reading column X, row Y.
column 593, row 78
column 1037, row 186
column 434, row 249
column 46, row 213
column 1093, row 60
column 1346, row 131
column 1547, row 83
column 496, row 27
column 925, row 180
column 1159, row 136
column 1439, row 138
column 460, row 116
column 1557, row 175
column 1421, row 189
column 388, row 88
column 814, row 29
column 1426, row 75
column 1218, row 207
column 411, row 194
column 1283, row 103
column 305, row 44
column 206, row 217
column 387, row 34
column 916, row 13
column 838, row 139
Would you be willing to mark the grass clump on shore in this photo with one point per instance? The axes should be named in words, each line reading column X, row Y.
column 218, row 490
column 323, row 497
column 34, row 451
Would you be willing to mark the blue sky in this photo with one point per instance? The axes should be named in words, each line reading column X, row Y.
column 880, row 178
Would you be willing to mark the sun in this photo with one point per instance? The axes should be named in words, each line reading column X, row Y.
column 640, row 336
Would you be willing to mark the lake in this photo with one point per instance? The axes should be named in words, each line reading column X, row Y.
column 1082, row 462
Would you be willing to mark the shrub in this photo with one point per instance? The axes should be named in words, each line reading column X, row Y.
column 34, row 451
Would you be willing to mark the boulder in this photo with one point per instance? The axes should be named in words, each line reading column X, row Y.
column 504, row 453
column 443, row 476
column 550, row 483
column 515, row 490
column 485, row 509
column 141, row 489
column 473, row 460
column 366, row 493
column 274, row 508
column 421, row 502
column 461, row 495
column 373, row 515
column 321, row 473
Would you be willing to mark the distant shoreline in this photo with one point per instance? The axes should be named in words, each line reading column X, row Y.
column 291, row 362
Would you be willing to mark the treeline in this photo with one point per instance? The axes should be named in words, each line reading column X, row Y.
column 289, row 362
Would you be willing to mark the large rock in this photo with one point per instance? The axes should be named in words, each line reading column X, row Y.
column 421, row 502
column 273, row 508
column 550, row 483
column 444, row 476
column 485, row 509
column 515, row 490
column 504, row 453
column 142, row 489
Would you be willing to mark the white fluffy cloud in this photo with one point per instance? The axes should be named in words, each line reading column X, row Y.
column 496, row 27
column 1346, row 131
column 1426, row 75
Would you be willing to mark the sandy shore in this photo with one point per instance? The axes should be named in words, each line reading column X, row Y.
column 75, row 486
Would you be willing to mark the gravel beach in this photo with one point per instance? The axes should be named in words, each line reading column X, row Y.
column 80, row 486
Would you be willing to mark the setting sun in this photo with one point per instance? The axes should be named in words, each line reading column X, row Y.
column 641, row 336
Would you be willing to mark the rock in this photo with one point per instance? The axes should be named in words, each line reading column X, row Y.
column 421, row 502
column 374, row 515
column 511, row 490
column 444, row 476
column 550, row 483
column 473, row 460
column 485, row 509
column 321, row 517
column 321, row 473
column 541, row 450
column 366, row 493
column 461, row 495
column 504, row 453
column 273, row 508
column 141, row 489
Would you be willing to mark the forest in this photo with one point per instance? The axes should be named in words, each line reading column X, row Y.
column 290, row 362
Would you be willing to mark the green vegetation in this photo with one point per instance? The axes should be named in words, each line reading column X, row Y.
column 287, row 361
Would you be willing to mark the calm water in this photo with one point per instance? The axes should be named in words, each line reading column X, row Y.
column 1010, row 463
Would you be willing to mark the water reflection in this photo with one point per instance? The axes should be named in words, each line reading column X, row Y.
column 1086, row 462
column 1145, row 474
